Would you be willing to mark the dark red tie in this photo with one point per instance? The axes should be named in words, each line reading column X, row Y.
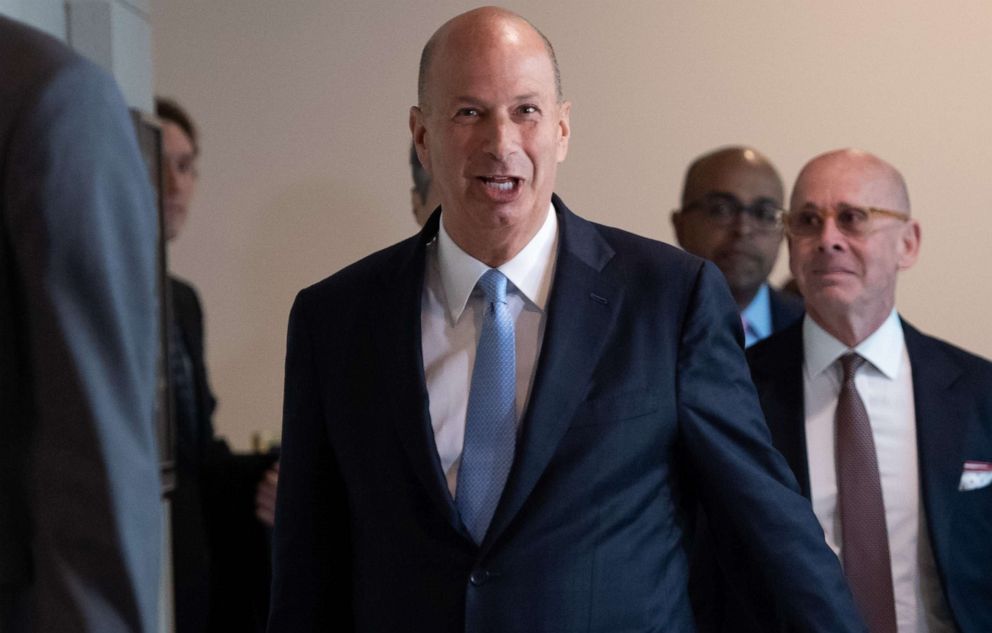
column 864, row 538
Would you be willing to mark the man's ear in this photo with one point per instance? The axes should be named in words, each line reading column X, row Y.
column 677, row 224
column 564, row 129
column 909, row 244
column 418, row 130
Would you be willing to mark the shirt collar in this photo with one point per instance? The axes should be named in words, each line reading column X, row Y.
column 758, row 314
column 883, row 348
column 530, row 271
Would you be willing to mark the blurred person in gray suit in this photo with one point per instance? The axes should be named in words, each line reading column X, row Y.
column 80, row 513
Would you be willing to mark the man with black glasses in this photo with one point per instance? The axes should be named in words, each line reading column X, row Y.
column 888, row 431
column 731, row 215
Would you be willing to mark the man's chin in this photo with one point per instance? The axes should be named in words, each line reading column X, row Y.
column 743, row 283
column 832, row 297
column 741, row 265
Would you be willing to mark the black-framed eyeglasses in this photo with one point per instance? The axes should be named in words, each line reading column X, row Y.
column 850, row 220
column 724, row 209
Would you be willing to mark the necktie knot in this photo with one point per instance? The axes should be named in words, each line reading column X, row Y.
column 850, row 364
column 493, row 284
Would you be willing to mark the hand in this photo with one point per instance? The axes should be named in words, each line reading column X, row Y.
column 265, row 496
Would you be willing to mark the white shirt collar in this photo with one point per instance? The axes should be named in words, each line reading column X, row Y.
column 530, row 271
column 883, row 348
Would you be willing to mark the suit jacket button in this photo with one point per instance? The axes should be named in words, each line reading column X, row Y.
column 479, row 577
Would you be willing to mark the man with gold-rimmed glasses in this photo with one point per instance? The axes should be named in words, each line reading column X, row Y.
column 889, row 431
column 731, row 214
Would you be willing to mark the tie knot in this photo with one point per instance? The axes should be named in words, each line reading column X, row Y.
column 493, row 283
column 850, row 364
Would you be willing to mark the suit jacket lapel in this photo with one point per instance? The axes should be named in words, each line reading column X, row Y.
column 583, row 305
column 398, row 342
column 777, row 371
column 939, row 430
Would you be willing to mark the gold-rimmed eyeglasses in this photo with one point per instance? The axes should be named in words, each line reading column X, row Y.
column 851, row 221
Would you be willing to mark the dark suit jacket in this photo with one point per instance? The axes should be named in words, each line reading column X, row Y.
column 641, row 398
column 786, row 308
column 80, row 508
column 221, row 568
column 952, row 390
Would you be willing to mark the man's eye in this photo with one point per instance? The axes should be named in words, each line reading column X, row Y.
column 852, row 217
column 528, row 109
column 721, row 208
column 467, row 112
column 808, row 218
column 765, row 212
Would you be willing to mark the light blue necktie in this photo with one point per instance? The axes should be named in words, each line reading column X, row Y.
column 490, row 422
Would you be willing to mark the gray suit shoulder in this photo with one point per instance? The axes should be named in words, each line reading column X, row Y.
column 30, row 61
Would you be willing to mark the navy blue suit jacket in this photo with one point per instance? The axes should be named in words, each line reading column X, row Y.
column 641, row 404
column 786, row 309
column 952, row 391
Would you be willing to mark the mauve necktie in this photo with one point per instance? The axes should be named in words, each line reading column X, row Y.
column 490, row 420
column 864, row 538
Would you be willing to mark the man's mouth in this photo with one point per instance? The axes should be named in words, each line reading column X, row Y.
column 501, row 189
column 831, row 270
column 738, row 251
column 500, row 183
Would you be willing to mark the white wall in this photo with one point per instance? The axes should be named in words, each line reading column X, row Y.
column 303, row 109
column 47, row 15
column 116, row 34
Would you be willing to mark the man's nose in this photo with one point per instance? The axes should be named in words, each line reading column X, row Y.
column 743, row 222
column 831, row 237
column 501, row 137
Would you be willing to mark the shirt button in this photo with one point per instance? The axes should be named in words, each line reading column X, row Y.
column 479, row 577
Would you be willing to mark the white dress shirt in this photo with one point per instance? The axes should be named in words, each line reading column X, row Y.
column 451, row 322
column 885, row 384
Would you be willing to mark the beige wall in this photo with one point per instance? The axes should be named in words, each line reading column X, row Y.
column 303, row 109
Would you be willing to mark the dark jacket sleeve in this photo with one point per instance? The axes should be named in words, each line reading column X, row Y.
column 312, row 566
column 763, row 530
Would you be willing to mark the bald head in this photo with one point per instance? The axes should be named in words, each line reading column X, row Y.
column 740, row 163
column 853, row 177
column 463, row 30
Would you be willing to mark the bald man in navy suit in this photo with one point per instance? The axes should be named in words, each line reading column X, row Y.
column 929, row 403
column 918, row 549
column 549, row 493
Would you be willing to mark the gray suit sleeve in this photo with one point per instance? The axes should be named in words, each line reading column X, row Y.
column 82, row 222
